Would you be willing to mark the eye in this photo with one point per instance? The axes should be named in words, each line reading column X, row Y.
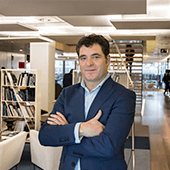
column 96, row 57
column 82, row 58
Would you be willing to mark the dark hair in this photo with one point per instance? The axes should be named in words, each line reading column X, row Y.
column 89, row 40
column 71, row 71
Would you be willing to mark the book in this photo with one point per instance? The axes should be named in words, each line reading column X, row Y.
column 29, row 79
column 20, row 112
column 6, row 80
column 32, row 81
column 32, row 108
column 24, row 111
column 29, row 111
column 22, row 95
column 18, row 80
column 12, row 110
column 24, row 79
column 10, row 78
column 13, row 78
column 4, row 110
column 13, row 96
column 3, row 94
column 30, row 94
column 9, row 111
column 9, row 96
column 19, row 98
column 16, row 112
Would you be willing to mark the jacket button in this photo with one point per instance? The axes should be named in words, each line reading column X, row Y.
column 72, row 164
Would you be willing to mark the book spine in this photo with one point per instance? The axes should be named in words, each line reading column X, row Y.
column 32, row 108
column 9, row 111
column 24, row 111
column 29, row 111
column 10, row 78
column 4, row 110
column 19, row 98
column 20, row 112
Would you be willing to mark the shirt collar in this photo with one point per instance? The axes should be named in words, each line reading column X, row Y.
column 99, row 85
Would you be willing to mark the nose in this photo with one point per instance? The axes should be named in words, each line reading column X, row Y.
column 89, row 61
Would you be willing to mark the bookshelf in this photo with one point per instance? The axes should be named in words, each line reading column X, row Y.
column 21, row 98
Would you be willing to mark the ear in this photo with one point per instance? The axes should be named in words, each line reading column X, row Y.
column 108, row 60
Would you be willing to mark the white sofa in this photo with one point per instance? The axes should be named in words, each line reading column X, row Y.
column 47, row 158
column 11, row 151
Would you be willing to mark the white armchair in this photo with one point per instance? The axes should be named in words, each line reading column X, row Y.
column 47, row 158
column 11, row 151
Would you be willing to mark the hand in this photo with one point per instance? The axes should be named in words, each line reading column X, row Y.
column 92, row 127
column 57, row 119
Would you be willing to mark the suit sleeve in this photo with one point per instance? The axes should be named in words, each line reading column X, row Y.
column 112, row 139
column 57, row 135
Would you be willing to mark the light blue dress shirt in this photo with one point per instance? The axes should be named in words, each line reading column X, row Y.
column 89, row 97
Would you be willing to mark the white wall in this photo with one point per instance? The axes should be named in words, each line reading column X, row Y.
column 5, row 59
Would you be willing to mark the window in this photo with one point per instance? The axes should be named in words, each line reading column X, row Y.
column 59, row 72
column 69, row 65
column 62, row 67
column 153, row 73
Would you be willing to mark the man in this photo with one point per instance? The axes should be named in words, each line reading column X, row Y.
column 129, row 56
column 67, row 80
column 166, row 80
column 92, row 119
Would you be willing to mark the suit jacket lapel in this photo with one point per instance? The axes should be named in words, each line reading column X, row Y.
column 79, row 104
column 105, row 91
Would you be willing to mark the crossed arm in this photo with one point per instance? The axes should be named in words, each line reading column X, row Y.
column 88, row 129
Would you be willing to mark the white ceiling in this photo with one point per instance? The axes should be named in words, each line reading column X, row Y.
column 67, row 20
column 71, row 7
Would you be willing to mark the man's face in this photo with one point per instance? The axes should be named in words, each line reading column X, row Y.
column 93, row 64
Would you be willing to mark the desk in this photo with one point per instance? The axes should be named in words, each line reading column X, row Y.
column 7, row 134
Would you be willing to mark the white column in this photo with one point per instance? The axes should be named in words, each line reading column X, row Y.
column 42, row 57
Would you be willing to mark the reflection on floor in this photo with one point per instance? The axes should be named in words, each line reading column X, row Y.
column 157, row 117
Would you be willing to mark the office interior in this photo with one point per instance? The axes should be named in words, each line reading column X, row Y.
column 43, row 35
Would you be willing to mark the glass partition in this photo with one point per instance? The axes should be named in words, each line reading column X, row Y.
column 153, row 74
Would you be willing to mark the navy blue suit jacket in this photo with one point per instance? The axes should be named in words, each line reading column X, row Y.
column 103, row 152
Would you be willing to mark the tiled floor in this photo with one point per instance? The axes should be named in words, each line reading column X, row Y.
column 157, row 117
